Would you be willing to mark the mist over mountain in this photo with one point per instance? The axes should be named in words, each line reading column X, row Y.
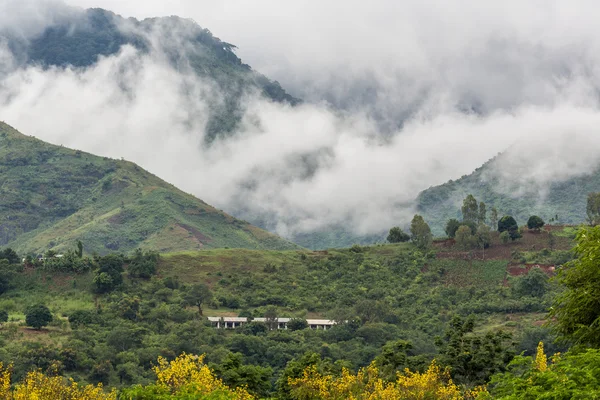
column 398, row 97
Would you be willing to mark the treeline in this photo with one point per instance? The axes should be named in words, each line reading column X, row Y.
column 474, row 230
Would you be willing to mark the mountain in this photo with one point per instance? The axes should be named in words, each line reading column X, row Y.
column 79, row 37
column 510, row 195
column 51, row 196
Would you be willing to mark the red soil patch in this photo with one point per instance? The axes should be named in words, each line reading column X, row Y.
column 523, row 269
column 552, row 228
column 531, row 241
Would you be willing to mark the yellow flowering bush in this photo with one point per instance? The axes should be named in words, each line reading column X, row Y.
column 367, row 384
column 541, row 361
column 186, row 375
column 38, row 386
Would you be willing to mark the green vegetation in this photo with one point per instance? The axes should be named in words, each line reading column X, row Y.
column 52, row 197
column 508, row 224
column 382, row 294
column 37, row 316
column 536, row 223
column 420, row 233
column 564, row 202
column 397, row 235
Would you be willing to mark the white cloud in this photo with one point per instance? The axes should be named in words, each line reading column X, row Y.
column 528, row 70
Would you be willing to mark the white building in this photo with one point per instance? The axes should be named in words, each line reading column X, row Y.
column 236, row 322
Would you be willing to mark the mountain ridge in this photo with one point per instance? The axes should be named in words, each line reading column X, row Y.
column 51, row 196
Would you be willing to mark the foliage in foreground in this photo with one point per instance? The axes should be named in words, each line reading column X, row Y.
column 38, row 386
column 572, row 376
column 367, row 383
column 186, row 377
column 575, row 310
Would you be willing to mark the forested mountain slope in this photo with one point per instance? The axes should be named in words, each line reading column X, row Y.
column 51, row 196
column 565, row 199
column 79, row 37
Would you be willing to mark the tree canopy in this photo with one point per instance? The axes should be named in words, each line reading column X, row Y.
column 397, row 235
column 420, row 233
column 509, row 224
column 576, row 310
column 536, row 223
column 38, row 316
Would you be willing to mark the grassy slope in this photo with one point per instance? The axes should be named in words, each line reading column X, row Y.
column 51, row 196
column 565, row 199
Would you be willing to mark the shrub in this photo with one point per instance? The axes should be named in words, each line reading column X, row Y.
column 38, row 316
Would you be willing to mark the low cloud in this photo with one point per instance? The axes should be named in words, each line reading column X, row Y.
column 426, row 116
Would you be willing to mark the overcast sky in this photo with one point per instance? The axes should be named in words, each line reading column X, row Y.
column 430, row 90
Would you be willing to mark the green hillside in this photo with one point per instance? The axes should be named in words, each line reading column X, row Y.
column 396, row 305
column 51, row 196
column 566, row 199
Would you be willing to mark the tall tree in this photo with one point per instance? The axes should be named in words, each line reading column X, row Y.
column 451, row 227
column 592, row 209
column 470, row 209
column 197, row 295
column 482, row 216
column 576, row 310
column 420, row 233
column 79, row 249
column 494, row 218
column 464, row 238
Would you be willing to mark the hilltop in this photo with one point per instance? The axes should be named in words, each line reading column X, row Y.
column 51, row 196
column 565, row 199
column 78, row 38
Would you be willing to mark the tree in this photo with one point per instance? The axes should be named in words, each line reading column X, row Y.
column 464, row 238
column 254, row 378
column 534, row 284
column 79, row 249
column 297, row 324
column 143, row 264
column 3, row 316
column 271, row 317
column 482, row 216
column 508, row 224
column 536, row 223
column 483, row 236
column 197, row 295
column 420, row 233
column 397, row 235
column 473, row 357
column 470, row 209
column 10, row 255
column 38, row 316
column 551, row 241
column 494, row 218
column 592, row 209
column 505, row 237
column 108, row 273
column 451, row 227
column 575, row 310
